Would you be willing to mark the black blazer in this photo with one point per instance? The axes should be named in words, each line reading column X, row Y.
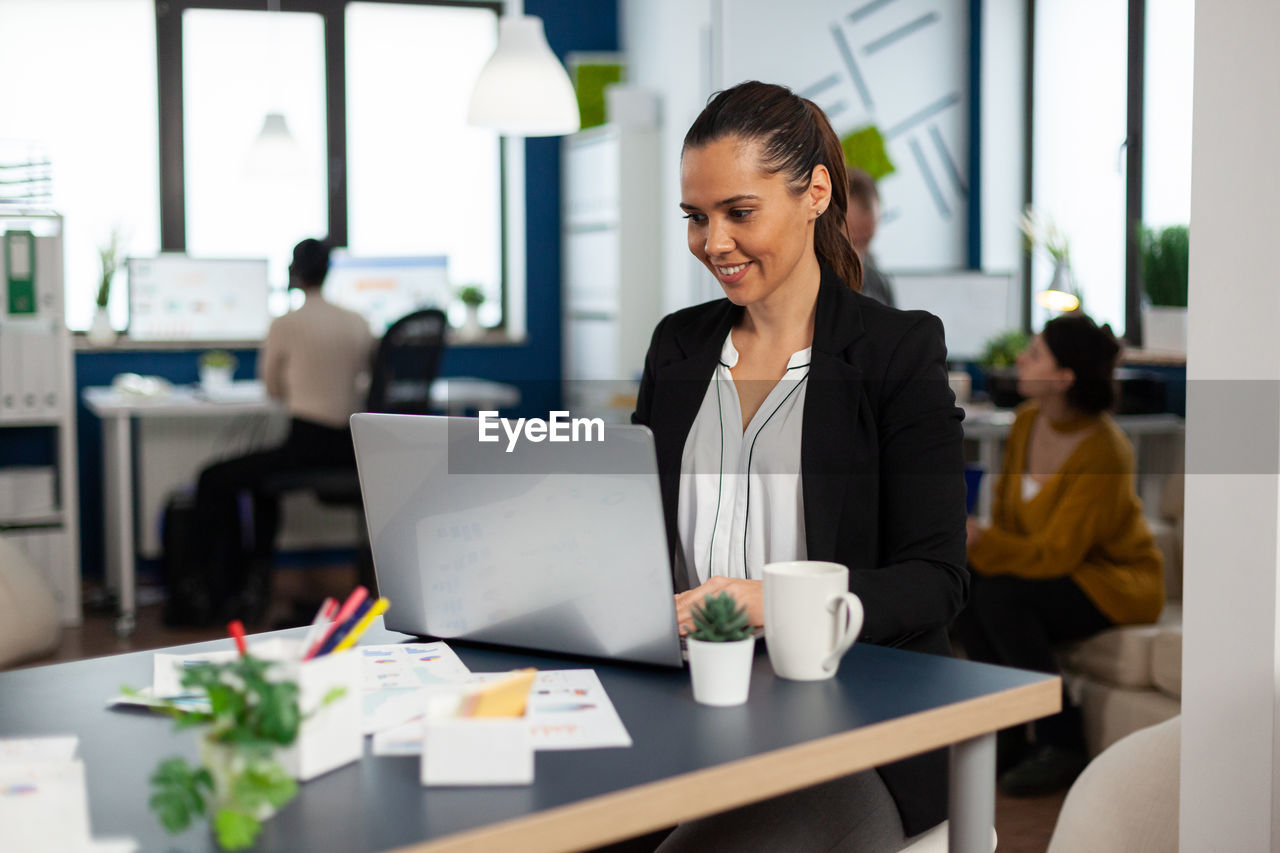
column 882, row 473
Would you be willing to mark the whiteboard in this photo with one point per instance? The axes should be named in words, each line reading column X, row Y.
column 902, row 66
column 973, row 306
column 174, row 297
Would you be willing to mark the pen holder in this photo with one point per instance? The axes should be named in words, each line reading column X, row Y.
column 330, row 734
column 476, row 750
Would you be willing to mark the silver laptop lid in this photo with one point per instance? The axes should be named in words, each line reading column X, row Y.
column 556, row 546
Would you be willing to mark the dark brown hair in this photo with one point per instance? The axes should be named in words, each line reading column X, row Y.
column 1088, row 350
column 794, row 137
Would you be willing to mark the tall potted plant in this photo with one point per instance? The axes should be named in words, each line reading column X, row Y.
column 721, row 650
column 110, row 255
column 1165, row 264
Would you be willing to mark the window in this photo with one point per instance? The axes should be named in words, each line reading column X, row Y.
column 234, row 210
column 1166, row 137
column 81, row 87
column 420, row 181
column 375, row 95
column 1078, row 178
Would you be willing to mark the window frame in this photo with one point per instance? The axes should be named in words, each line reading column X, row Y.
column 169, row 59
column 1133, row 152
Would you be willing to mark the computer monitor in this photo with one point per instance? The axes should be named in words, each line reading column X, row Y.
column 973, row 306
column 383, row 290
column 173, row 297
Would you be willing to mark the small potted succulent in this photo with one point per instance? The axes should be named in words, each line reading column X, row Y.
column 217, row 367
column 721, row 651
column 238, row 783
column 472, row 297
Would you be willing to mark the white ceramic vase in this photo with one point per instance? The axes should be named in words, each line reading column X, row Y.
column 1164, row 328
column 216, row 376
column 224, row 764
column 721, row 672
column 100, row 333
column 471, row 329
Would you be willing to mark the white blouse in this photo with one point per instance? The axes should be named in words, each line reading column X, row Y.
column 741, row 503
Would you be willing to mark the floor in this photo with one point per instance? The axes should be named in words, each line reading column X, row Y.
column 1022, row 825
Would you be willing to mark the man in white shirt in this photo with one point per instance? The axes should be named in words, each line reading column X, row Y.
column 311, row 361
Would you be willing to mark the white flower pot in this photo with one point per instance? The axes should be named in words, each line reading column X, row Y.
column 721, row 672
column 100, row 333
column 224, row 764
column 216, row 377
column 1164, row 328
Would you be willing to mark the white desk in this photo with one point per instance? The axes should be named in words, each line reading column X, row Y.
column 117, row 411
column 989, row 427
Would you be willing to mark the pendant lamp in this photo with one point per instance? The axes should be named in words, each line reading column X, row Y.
column 523, row 90
column 275, row 153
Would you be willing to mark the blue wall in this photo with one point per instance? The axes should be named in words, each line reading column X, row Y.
column 571, row 25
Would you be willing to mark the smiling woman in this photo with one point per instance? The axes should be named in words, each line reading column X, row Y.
column 799, row 420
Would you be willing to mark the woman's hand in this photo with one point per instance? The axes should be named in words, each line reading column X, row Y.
column 750, row 594
column 973, row 531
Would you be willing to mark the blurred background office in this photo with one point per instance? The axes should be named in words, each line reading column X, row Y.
column 552, row 256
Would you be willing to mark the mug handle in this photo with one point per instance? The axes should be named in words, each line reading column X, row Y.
column 851, row 625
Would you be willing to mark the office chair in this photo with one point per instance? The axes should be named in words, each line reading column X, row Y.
column 405, row 363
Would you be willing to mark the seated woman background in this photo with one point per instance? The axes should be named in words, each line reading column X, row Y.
column 1068, row 552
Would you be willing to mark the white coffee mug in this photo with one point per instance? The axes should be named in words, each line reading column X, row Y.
column 810, row 618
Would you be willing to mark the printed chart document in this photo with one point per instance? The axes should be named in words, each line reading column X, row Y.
column 396, row 677
column 568, row 709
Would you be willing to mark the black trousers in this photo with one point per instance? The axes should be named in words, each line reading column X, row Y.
column 238, row 520
column 1017, row 622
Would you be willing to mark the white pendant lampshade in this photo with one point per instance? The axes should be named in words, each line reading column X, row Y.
column 523, row 90
column 275, row 153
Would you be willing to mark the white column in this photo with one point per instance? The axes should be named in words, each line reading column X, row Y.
column 1231, row 651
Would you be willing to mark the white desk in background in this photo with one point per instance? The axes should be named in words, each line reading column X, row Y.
column 456, row 396
column 988, row 427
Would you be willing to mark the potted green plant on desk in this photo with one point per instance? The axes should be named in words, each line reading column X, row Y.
column 999, row 358
column 217, row 368
column 1166, row 257
column 471, row 297
column 238, row 783
column 721, row 650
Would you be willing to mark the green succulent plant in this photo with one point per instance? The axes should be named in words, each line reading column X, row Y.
column 471, row 295
column 1002, row 349
column 720, row 619
column 217, row 358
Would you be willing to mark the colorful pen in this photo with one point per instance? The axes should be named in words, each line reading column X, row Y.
column 342, row 630
column 379, row 607
column 354, row 600
column 324, row 616
column 236, row 627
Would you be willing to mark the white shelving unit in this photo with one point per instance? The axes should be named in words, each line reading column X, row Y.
column 612, row 272
column 37, row 389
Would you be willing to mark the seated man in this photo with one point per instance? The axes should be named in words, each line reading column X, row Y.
column 311, row 361
column 861, row 220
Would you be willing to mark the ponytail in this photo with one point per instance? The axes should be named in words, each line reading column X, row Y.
column 830, row 233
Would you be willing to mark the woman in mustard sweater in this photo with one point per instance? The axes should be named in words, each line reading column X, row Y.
column 1068, row 553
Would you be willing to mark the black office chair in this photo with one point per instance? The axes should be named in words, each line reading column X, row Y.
column 405, row 363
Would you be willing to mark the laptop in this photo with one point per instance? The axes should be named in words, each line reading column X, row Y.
column 552, row 545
